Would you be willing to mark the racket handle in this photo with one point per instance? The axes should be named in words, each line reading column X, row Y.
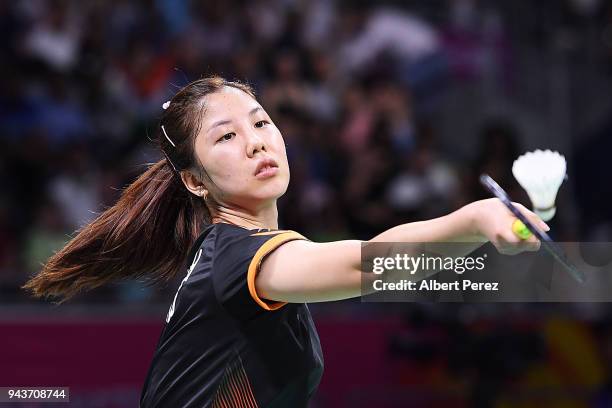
column 521, row 230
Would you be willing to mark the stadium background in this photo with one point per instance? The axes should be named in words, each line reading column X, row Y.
column 389, row 109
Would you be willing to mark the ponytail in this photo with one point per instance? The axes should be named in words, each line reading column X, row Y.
column 146, row 235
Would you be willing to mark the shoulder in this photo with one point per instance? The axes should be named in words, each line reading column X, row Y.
column 235, row 238
column 237, row 258
column 226, row 242
column 235, row 245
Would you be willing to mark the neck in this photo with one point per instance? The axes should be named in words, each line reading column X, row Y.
column 264, row 218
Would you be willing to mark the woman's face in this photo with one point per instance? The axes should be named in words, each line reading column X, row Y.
column 242, row 151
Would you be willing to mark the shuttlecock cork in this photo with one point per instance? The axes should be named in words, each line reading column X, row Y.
column 541, row 173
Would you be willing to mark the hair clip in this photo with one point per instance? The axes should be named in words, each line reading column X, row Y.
column 165, row 105
column 165, row 134
column 170, row 161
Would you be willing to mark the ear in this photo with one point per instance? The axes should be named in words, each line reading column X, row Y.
column 193, row 184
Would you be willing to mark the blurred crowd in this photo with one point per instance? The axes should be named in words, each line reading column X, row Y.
column 535, row 360
column 369, row 96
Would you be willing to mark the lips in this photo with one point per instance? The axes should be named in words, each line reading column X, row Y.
column 265, row 166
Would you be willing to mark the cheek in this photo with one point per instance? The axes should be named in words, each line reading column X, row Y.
column 226, row 169
column 278, row 145
column 229, row 175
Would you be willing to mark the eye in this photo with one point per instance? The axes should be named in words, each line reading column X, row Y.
column 226, row 137
column 261, row 123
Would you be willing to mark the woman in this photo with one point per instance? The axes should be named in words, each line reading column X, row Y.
column 238, row 332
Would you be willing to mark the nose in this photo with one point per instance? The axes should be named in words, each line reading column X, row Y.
column 255, row 144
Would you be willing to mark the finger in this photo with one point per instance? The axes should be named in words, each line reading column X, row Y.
column 537, row 221
column 525, row 210
column 510, row 250
column 509, row 237
column 508, row 243
column 531, row 244
column 526, row 240
column 532, row 217
column 503, row 249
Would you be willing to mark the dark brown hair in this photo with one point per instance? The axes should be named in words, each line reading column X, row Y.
column 147, row 234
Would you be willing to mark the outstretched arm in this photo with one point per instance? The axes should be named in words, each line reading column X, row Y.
column 303, row 271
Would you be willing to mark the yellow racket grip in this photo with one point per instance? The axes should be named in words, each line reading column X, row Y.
column 520, row 229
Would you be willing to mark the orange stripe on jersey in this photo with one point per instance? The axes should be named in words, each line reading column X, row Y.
column 255, row 264
column 259, row 234
column 235, row 389
column 248, row 392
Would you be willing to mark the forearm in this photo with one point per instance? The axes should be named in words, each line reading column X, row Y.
column 456, row 227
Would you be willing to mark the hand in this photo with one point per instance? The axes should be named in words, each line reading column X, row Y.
column 493, row 221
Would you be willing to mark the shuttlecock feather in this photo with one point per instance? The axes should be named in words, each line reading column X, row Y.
column 541, row 173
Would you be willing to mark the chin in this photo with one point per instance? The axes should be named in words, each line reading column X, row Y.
column 270, row 194
column 271, row 191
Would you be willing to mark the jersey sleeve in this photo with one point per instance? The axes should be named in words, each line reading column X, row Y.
column 237, row 262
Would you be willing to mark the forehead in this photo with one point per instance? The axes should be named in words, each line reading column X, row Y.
column 226, row 102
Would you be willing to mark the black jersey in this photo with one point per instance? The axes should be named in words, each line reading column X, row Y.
column 223, row 346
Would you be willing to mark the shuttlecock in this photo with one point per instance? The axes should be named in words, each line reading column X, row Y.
column 541, row 173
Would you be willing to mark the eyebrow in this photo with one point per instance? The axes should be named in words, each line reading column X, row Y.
column 226, row 121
